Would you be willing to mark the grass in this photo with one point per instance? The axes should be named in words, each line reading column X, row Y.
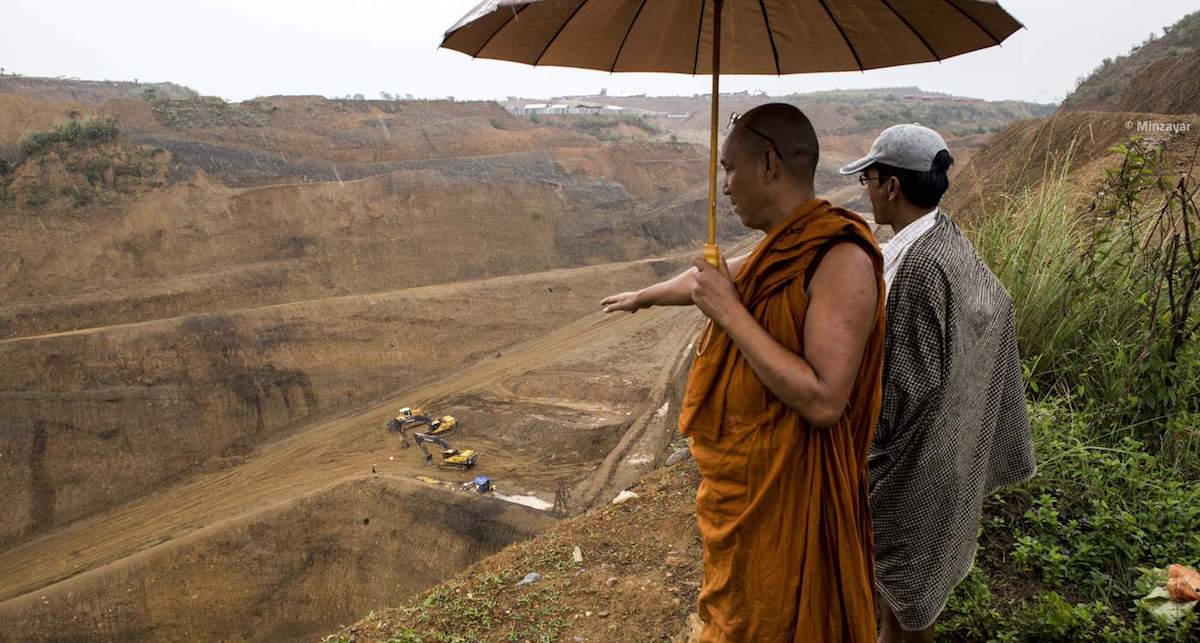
column 1107, row 300
column 98, row 164
column 1107, row 316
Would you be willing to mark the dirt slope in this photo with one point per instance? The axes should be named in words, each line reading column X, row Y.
column 1141, row 80
column 1167, row 86
column 284, row 573
column 94, row 92
column 333, row 218
column 637, row 581
column 1021, row 155
column 527, row 442
column 103, row 415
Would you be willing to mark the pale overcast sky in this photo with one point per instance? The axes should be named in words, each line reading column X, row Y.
column 239, row 49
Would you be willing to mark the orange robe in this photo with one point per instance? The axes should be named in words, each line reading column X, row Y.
column 783, row 507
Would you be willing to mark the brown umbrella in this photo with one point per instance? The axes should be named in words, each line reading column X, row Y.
column 730, row 36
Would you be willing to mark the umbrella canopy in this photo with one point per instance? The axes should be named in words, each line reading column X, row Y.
column 757, row 36
column 729, row 36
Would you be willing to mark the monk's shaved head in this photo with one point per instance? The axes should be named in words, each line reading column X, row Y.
column 795, row 140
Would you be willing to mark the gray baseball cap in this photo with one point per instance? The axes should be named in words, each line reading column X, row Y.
column 907, row 146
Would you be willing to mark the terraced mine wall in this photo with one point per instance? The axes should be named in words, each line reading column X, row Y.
column 285, row 574
column 98, row 417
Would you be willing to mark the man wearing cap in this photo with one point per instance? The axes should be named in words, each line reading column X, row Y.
column 954, row 426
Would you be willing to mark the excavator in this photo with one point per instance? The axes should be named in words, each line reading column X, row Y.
column 451, row 458
column 410, row 417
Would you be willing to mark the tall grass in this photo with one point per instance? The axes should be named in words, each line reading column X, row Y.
column 1106, row 289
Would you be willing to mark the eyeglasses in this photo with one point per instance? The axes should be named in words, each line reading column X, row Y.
column 863, row 178
column 735, row 119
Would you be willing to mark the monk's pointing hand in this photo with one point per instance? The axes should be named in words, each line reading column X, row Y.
column 713, row 291
column 622, row 301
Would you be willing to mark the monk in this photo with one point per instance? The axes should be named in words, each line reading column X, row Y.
column 782, row 398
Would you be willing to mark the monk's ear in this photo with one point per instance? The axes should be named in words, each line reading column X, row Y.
column 770, row 166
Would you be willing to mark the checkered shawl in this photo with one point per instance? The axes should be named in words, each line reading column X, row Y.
column 954, row 425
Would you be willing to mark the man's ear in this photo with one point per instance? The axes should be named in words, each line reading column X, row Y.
column 893, row 188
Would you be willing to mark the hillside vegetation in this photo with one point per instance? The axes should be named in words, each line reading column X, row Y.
column 1108, row 319
column 1157, row 76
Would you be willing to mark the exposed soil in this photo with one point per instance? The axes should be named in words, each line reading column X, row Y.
column 122, row 409
column 522, row 455
column 1166, row 87
column 1153, row 78
column 1025, row 153
column 285, row 573
column 200, row 363
column 637, row 581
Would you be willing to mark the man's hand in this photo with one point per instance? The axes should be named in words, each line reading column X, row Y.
column 622, row 301
column 714, row 293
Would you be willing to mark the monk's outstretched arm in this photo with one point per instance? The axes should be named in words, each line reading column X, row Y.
column 676, row 291
column 841, row 314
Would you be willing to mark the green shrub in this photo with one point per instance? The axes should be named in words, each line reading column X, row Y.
column 75, row 133
column 1095, row 513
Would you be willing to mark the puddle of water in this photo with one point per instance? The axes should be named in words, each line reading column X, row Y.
column 528, row 501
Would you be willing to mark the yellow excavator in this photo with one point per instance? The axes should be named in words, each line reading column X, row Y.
column 451, row 458
column 409, row 417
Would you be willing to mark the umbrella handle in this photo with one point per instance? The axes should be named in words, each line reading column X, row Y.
column 712, row 254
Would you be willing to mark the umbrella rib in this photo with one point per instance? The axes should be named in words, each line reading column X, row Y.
column 770, row 35
column 699, row 31
column 560, row 30
column 497, row 31
column 837, row 24
column 912, row 29
column 972, row 19
column 627, row 32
